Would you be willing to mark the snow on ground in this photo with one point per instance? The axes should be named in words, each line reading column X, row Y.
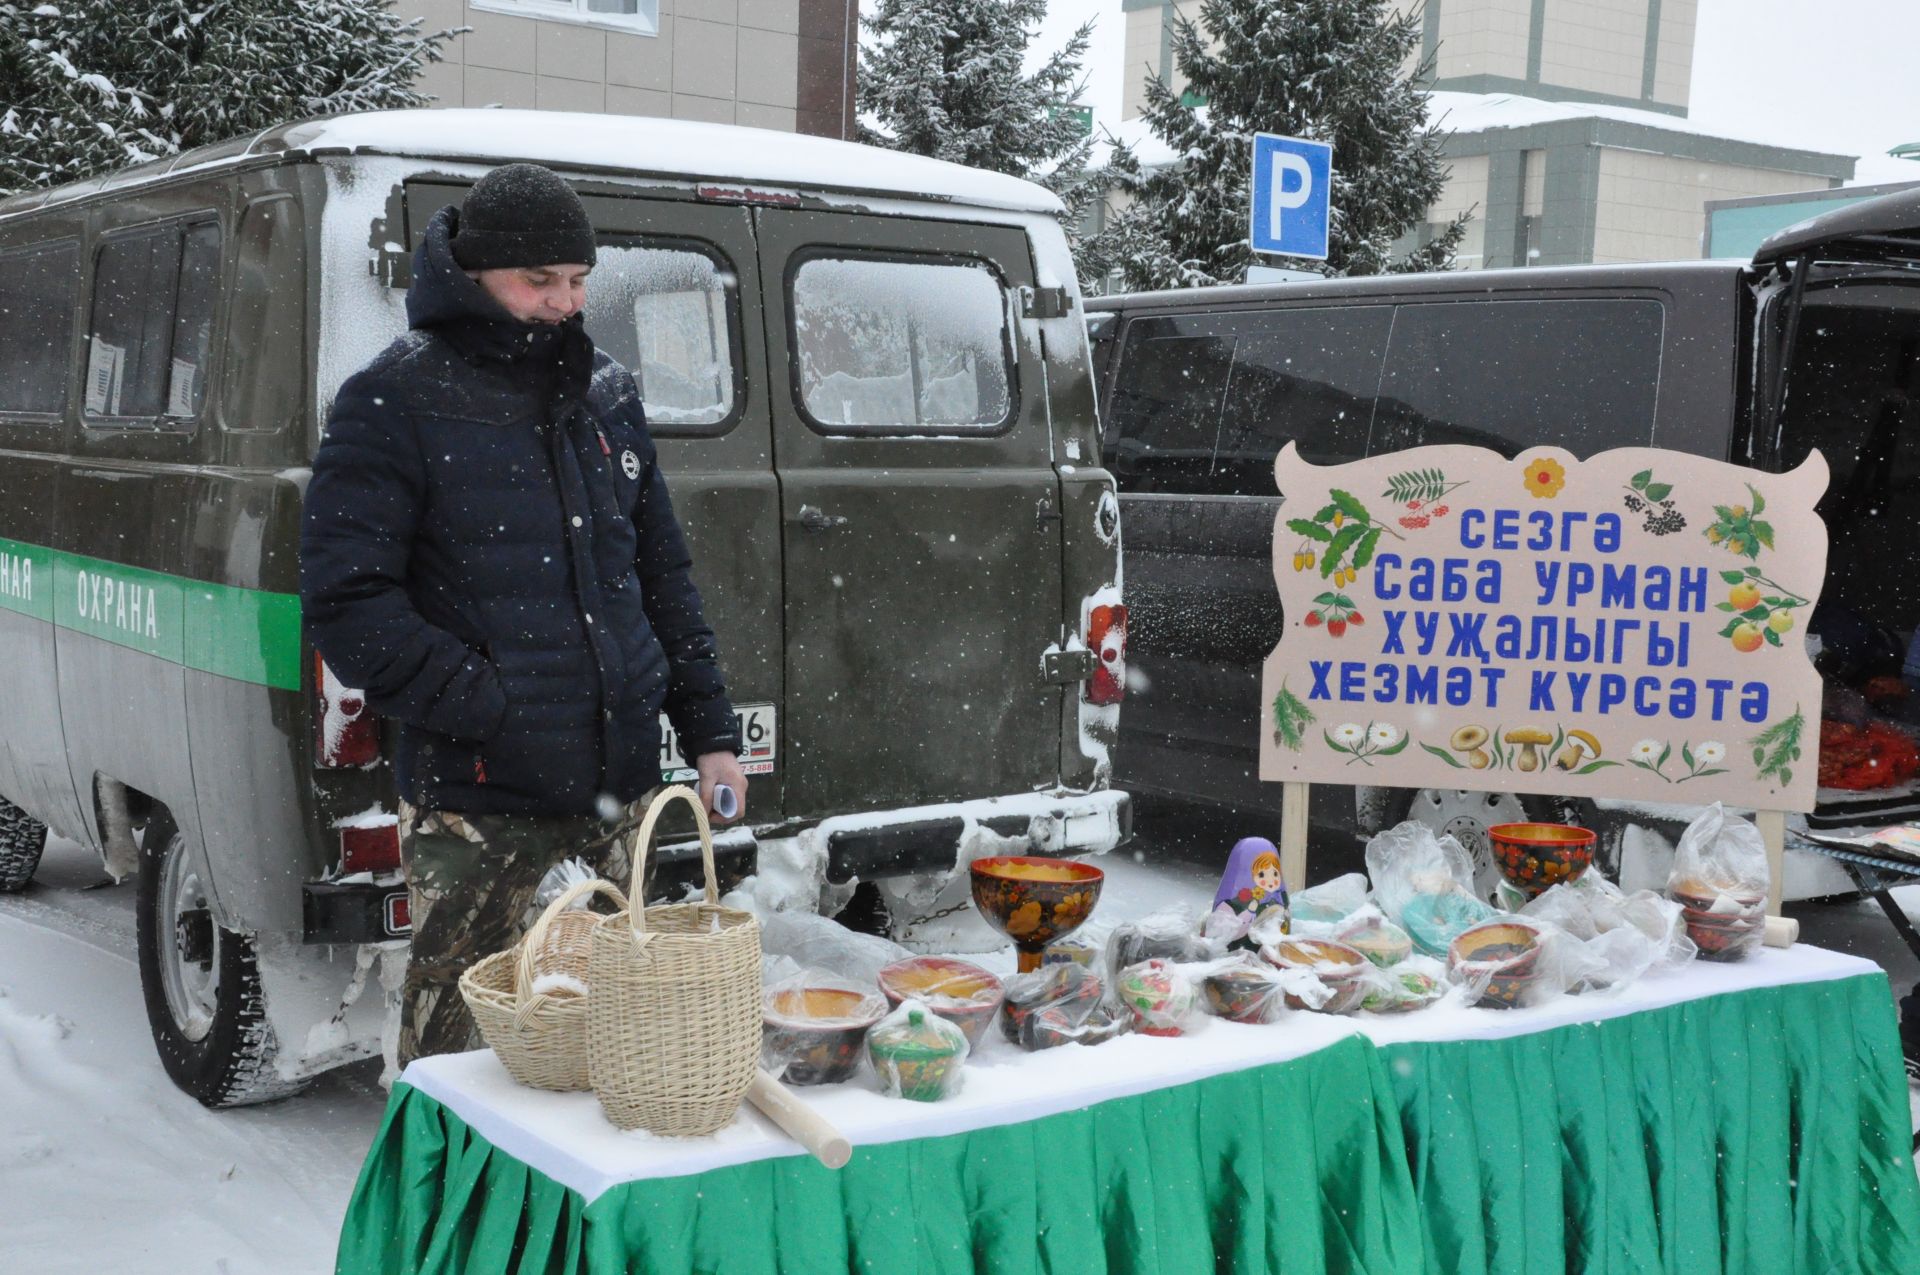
column 105, row 1166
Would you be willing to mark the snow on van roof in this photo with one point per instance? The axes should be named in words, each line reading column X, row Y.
column 663, row 147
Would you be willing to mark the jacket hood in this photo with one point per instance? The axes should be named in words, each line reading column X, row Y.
column 443, row 298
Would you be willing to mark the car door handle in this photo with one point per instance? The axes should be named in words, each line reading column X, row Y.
column 814, row 519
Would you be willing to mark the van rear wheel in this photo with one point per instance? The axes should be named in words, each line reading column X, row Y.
column 22, row 840
column 202, row 986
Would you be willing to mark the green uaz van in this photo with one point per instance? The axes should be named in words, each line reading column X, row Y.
column 869, row 379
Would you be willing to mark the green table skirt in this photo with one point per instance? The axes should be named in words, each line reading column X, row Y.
column 1760, row 1131
column 1294, row 1167
column 1752, row 1133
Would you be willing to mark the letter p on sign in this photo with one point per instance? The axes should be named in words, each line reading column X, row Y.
column 1292, row 179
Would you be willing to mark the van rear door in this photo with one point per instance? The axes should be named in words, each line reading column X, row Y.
column 920, row 511
column 673, row 298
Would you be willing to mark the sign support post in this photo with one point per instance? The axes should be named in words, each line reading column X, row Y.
column 1773, row 830
column 1293, row 833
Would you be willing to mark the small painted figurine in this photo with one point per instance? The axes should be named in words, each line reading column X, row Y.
column 1251, row 887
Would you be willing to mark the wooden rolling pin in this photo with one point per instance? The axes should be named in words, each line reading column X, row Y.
column 799, row 1121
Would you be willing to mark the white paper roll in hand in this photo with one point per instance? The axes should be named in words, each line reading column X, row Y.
column 726, row 802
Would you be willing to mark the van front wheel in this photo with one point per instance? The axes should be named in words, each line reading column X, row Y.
column 202, row 987
column 22, row 839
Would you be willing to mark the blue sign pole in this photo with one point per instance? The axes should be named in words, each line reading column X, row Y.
column 1292, row 182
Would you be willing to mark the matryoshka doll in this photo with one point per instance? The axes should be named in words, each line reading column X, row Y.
column 1251, row 887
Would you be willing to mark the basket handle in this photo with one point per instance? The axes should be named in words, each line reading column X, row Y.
column 537, row 932
column 642, row 846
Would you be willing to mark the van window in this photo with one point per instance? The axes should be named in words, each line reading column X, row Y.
column 669, row 311
column 265, row 377
column 153, row 310
column 39, row 292
column 1203, row 403
column 1166, row 403
column 899, row 344
column 1578, row 374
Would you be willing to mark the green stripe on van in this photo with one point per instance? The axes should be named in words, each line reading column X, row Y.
column 249, row 635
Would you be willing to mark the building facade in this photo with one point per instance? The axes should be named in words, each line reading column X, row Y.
column 1569, row 138
column 779, row 64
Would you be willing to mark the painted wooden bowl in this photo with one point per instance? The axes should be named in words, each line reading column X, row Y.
column 1382, row 942
column 1726, row 932
column 958, row 991
column 1054, row 1026
column 1503, row 954
column 1159, row 997
column 1536, row 856
column 1244, row 995
column 816, row 1033
column 1072, row 988
column 1035, row 900
column 1340, row 968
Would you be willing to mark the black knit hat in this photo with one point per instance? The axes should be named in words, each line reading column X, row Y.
column 522, row 215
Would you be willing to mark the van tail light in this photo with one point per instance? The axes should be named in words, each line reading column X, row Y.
column 1107, row 638
column 345, row 734
column 373, row 849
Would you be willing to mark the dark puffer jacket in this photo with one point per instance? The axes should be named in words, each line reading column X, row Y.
column 488, row 551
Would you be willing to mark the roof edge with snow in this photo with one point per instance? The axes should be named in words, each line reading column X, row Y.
column 627, row 145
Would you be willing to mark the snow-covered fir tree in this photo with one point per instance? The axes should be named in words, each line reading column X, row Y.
column 945, row 78
column 1329, row 70
column 87, row 86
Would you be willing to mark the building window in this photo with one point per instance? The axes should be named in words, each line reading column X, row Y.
column 629, row 15
column 1526, row 241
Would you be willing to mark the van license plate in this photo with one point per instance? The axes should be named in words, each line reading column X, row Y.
column 759, row 745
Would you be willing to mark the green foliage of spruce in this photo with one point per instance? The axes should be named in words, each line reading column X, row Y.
column 89, row 86
column 1327, row 70
column 944, row 78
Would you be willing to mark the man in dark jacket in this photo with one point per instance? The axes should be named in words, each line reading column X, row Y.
column 489, row 553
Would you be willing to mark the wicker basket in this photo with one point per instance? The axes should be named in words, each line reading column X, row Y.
column 673, row 1017
column 541, row 1039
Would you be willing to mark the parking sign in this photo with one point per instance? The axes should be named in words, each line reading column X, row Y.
column 1292, row 179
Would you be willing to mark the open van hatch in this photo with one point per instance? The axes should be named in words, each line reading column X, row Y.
column 1841, row 306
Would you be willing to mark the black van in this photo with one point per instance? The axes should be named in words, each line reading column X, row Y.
column 1813, row 344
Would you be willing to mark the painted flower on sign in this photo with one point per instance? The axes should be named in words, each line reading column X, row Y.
column 1545, row 478
column 1711, row 753
column 1364, row 743
column 1646, row 750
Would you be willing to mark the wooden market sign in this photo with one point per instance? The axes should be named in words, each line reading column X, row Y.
column 1628, row 626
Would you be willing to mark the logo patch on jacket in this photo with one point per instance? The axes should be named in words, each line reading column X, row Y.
column 630, row 463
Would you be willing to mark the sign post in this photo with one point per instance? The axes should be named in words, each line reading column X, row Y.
column 1629, row 627
column 1292, row 187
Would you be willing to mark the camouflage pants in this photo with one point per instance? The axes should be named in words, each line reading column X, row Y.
column 471, row 881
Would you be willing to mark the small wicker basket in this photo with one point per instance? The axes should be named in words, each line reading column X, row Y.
column 673, row 1017
column 541, row 1038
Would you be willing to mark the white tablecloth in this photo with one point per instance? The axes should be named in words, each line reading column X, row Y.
column 565, row 1137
